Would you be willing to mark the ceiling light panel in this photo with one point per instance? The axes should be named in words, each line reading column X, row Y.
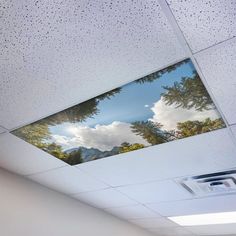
column 174, row 105
column 205, row 219
column 50, row 48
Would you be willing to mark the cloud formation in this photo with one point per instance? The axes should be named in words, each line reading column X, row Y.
column 102, row 137
column 169, row 115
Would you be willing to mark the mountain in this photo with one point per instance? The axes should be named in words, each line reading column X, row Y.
column 89, row 154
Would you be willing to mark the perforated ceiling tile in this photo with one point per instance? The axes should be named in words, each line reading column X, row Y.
column 56, row 54
column 200, row 154
column 133, row 212
column 196, row 206
column 68, row 180
column 107, row 198
column 22, row 158
column 218, row 65
column 206, row 22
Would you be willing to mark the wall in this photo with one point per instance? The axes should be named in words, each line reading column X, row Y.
column 30, row 209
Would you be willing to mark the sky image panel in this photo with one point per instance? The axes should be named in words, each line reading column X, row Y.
column 164, row 106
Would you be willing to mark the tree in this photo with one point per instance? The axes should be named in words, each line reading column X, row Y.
column 80, row 112
column 127, row 147
column 190, row 128
column 35, row 133
column 156, row 75
column 151, row 132
column 74, row 158
column 189, row 93
column 55, row 150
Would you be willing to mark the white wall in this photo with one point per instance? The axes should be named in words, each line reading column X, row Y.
column 29, row 209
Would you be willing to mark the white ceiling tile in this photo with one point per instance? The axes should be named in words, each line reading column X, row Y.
column 196, row 206
column 177, row 231
column 205, row 23
column 68, row 180
column 133, row 212
column 154, row 223
column 107, row 198
column 2, row 130
column 160, row 191
column 221, row 229
column 218, row 65
column 62, row 53
column 200, row 154
column 233, row 128
column 23, row 158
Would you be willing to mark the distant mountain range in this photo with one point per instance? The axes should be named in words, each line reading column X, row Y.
column 89, row 154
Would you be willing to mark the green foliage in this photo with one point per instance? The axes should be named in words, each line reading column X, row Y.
column 190, row 128
column 150, row 131
column 74, row 158
column 127, row 147
column 81, row 111
column 189, row 93
column 156, row 75
column 35, row 133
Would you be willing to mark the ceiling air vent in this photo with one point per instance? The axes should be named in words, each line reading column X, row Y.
column 211, row 184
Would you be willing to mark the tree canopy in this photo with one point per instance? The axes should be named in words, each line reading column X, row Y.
column 150, row 131
column 189, row 93
column 156, row 75
column 190, row 128
column 127, row 147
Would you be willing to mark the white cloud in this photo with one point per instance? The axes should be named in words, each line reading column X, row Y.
column 169, row 115
column 102, row 137
column 146, row 105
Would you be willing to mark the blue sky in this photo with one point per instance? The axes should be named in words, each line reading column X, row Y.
column 129, row 104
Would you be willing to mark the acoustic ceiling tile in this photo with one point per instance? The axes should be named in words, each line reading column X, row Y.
column 220, row 229
column 63, row 53
column 218, row 65
column 133, row 212
column 196, row 206
column 200, row 154
column 205, row 23
column 22, row 158
column 171, row 231
column 107, row 198
column 154, row 223
column 68, row 180
column 162, row 191
column 233, row 128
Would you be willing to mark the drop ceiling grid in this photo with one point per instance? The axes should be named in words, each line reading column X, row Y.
column 77, row 48
column 213, row 21
column 147, row 63
column 184, row 42
column 221, row 75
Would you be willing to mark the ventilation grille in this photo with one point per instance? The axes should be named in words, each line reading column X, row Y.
column 211, row 184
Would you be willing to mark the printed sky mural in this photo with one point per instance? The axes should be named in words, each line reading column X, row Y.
column 164, row 106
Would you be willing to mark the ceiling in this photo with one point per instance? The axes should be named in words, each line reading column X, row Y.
column 60, row 53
